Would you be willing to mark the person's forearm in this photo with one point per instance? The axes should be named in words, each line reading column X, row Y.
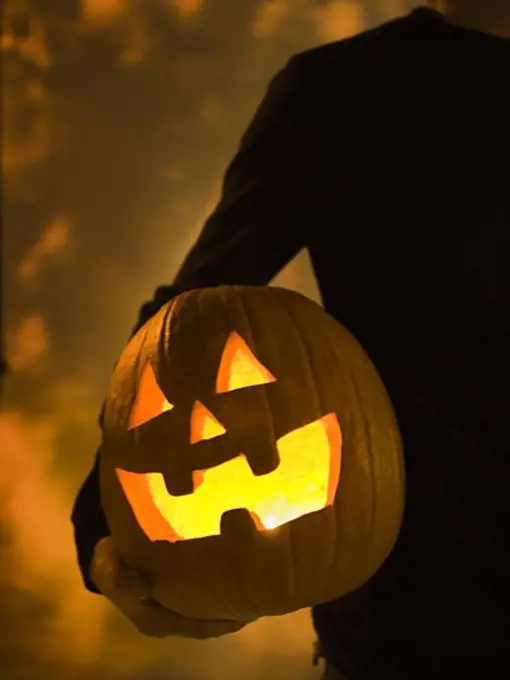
column 89, row 523
column 162, row 295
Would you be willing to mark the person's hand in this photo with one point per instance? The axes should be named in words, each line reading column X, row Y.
column 129, row 591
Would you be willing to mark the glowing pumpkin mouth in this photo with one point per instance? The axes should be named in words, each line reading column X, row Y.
column 305, row 481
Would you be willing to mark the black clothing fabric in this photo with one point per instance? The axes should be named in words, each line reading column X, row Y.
column 387, row 156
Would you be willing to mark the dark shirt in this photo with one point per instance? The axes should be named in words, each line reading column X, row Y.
column 387, row 156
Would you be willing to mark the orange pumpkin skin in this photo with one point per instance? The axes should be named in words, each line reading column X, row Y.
column 251, row 461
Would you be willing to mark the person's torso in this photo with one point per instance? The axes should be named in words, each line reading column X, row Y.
column 412, row 254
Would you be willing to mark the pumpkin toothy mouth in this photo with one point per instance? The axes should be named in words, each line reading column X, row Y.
column 305, row 481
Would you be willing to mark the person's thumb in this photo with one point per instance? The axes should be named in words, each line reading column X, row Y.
column 112, row 575
column 131, row 582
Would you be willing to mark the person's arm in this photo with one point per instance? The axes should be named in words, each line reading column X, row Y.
column 268, row 207
column 89, row 523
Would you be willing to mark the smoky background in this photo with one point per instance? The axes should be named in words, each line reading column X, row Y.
column 118, row 120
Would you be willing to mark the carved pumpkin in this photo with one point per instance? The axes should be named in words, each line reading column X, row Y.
column 251, row 462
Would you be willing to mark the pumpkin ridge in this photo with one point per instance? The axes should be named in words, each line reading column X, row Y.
column 291, row 551
column 306, row 352
column 197, row 300
column 333, row 558
column 235, row 556
column 249, row 594
column 259, row 291
column 379, row 530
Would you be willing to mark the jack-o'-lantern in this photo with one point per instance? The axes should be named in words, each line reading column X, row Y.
column 251, row 463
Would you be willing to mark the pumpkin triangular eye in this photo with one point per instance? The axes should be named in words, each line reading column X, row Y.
column 239, row 367
column 203, row 424
column 150, row 401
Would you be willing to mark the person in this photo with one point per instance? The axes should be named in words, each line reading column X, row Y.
column 387, row 156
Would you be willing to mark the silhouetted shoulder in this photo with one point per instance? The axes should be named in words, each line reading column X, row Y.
column 372, row 44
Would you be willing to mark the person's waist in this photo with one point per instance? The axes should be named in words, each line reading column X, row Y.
column 418, row 651
column 402, row 622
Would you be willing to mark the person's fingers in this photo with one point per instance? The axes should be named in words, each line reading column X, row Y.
column 112, row 575
column 129, row 590
column 215, row 630
column 157, row 621
column 102, row 569
column 131, row 582
column 154, row 620
column 203, row 630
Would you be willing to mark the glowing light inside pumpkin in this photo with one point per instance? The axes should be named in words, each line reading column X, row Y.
column 239, row 367
column 270, row 522
column 305, row 481
column 150, row 401
column 203, row 425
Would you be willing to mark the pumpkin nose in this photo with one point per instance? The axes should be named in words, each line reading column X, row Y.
column 248, row 420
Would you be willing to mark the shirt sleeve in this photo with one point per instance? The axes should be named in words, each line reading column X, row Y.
column 89, row 521
column 262, row 220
